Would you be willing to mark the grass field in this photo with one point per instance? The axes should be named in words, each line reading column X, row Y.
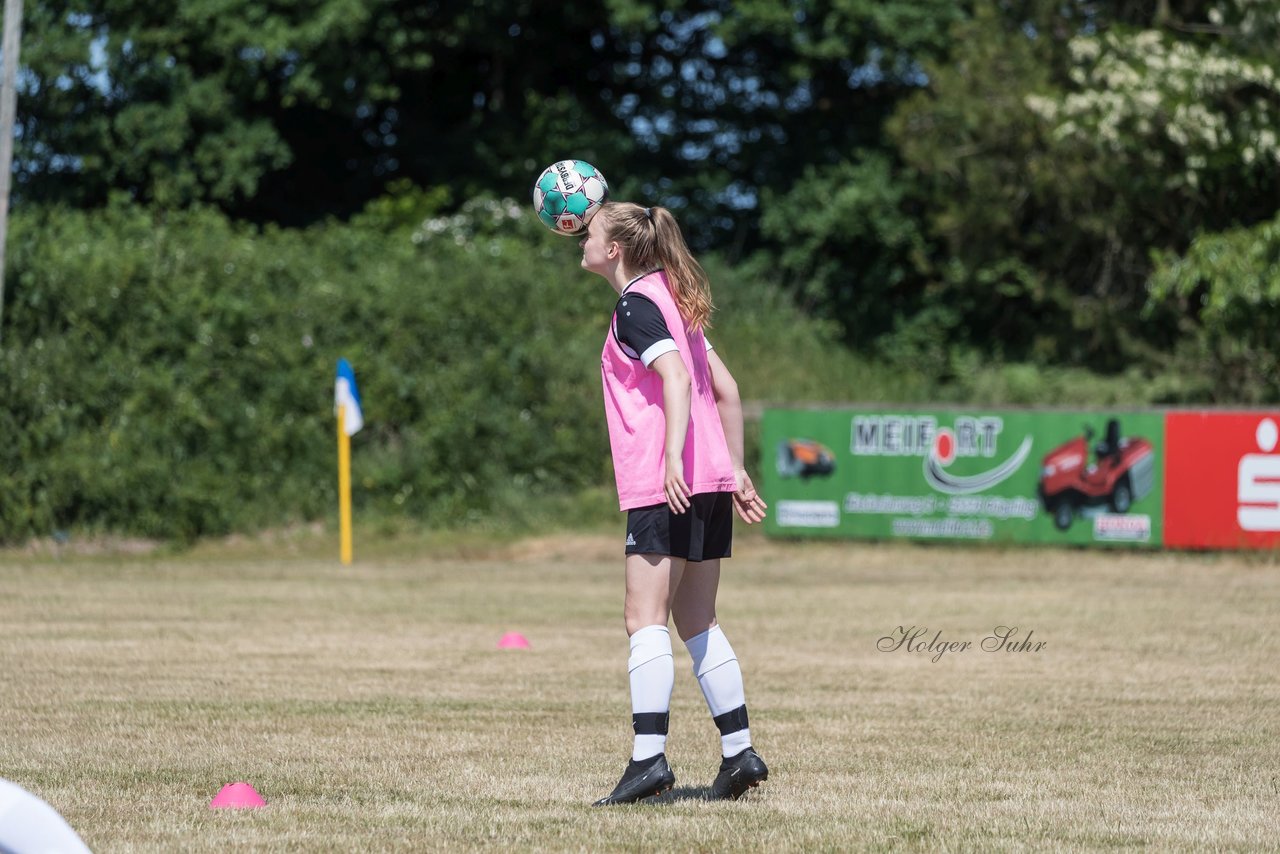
column 371, row 709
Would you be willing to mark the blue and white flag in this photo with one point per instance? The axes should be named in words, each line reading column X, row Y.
column 346, row 395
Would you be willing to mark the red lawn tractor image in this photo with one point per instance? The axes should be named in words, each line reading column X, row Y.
column 1122, row 471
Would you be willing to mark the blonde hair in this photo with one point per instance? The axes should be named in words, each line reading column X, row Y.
column 651, row 238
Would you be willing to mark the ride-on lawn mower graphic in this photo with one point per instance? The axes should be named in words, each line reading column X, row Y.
column 1122, row 472
column 804, row 458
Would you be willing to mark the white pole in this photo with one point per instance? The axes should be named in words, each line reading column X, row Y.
column 8, row 103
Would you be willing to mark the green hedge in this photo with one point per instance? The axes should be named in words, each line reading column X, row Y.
column 171, row 375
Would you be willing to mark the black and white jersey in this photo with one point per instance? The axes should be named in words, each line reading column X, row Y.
column 641, row 329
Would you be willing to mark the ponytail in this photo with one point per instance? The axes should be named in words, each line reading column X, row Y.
column 651, row 238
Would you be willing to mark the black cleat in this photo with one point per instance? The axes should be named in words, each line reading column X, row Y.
column 737, row 774
column 642, row 779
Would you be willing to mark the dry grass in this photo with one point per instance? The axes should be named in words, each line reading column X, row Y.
column 371, row 709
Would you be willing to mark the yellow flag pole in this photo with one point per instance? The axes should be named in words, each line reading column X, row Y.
column 344, row 484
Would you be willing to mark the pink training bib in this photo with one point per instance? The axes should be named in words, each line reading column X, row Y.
column 637, row 421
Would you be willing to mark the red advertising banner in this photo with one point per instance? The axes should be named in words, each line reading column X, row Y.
column 1222, row 480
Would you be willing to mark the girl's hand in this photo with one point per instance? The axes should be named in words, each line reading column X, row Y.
column 676, row 490
column 746, row 500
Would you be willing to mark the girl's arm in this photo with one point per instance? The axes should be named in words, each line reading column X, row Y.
column 748, row 502
column 676, row 389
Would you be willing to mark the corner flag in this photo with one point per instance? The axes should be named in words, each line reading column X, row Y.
column 346, row 405
column 345, row 395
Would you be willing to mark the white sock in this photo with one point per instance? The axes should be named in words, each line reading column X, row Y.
column 720, row 677
column 652, row 677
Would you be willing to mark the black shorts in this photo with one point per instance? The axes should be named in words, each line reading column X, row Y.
column 703, row 532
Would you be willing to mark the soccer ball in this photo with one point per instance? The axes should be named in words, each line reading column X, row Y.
column 567, row 195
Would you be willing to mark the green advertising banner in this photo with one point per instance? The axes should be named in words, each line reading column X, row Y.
column 965, row 474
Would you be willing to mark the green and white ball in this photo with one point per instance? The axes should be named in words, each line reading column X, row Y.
column 568, row 194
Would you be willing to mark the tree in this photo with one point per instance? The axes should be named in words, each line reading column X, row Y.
column 1046, row 160
column 1226, row 290
column 291, row 111
column 734, row 101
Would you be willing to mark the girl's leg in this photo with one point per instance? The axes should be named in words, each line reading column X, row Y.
column 693, row 607
column 714, row 662
column 720, row 678
column 651, row 581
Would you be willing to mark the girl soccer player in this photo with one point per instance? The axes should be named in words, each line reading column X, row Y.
column 675, row 429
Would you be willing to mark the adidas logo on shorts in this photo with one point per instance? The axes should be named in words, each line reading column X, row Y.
column 631, row 541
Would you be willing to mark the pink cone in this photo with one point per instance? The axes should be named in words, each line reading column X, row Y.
column 237, row 796
column 513, row 640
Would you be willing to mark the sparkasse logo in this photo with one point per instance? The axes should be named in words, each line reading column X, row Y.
column 1258, row 491
column 1222, row 480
